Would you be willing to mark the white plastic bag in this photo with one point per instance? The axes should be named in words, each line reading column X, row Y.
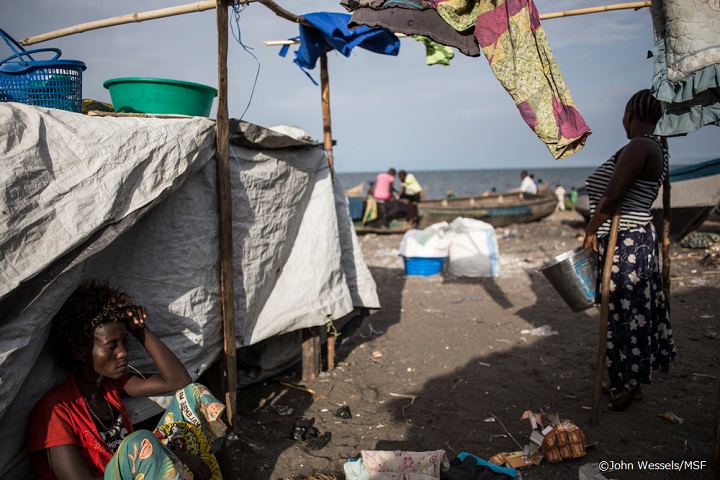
column 433, row 241
column 474, row 249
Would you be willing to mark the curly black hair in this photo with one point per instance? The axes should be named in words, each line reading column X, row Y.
column 92, row 304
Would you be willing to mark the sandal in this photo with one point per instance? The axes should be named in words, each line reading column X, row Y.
column 620, row 400
column 636, row 392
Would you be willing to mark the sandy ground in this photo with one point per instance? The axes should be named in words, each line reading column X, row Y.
column 445, row 365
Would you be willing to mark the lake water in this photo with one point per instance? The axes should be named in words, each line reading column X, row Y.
column 474, row 182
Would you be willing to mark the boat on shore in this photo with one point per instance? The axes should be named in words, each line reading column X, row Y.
column 498, row 209
column 694, row 194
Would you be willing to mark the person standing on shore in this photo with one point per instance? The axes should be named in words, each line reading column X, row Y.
column 527, row 185
column 560, row 194
column 573, row 197
column 639, row 334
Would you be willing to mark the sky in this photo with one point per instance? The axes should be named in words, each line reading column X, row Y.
column 386, row 111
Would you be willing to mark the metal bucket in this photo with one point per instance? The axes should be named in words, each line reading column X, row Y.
column 574, row 275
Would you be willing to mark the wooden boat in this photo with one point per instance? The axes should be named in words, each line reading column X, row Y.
column 694, row 194
column 499, row 210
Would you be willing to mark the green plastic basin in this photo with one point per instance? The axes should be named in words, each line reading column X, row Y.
column 160, row 96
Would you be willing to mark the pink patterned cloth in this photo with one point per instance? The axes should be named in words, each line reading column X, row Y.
column 398, row 465
column 514, row 42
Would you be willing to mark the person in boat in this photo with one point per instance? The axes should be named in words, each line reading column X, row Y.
column 410, row 188
column 384, row 188
column 527, row 184
column 410, row 191
column 639, row 334
column 81, row 429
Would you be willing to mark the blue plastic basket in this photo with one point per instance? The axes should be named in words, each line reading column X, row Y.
column 45, row 83
column 423, row 266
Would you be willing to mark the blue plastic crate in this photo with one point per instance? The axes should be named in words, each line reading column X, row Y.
column 423, row 266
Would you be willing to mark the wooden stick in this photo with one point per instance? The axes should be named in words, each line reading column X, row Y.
column 599, row 9
column 331, row 351
column 311, row 367
column 282, row 13
column 98, row 113
column 604, row 314
column 666, row 235
column 227, row 295
column 715, row 453
column 121, row 20
column 520, row 447
column 327, row 122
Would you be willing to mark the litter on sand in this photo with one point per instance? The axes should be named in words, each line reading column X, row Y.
column 543, row 331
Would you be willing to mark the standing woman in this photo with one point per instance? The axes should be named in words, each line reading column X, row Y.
column 80, row 429
column 639, row 337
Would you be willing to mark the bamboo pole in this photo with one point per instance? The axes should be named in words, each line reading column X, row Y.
column 121, row 20
column 604, row 314
column 227, row 288
column 210, row 4
column 602, row 8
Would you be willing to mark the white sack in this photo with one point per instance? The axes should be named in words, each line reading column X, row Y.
column 474, row 249
column 432, row 241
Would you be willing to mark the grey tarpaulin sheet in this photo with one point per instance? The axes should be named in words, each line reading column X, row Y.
column 133, row 200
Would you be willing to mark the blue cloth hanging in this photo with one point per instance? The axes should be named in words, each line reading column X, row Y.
column 331, row 32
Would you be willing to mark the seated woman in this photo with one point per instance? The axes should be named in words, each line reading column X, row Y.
column 81, row 429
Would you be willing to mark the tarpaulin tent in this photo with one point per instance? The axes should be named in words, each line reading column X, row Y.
column 134, row 201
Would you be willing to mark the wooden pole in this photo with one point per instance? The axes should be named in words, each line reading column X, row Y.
column 715, row 453
column 599, row 9
column 331, row 349
column 604, row 314
column 121, row 20
column 328, row 143
column 310, row 353
column 225, row 213
column 666, row 235
column 327, row 122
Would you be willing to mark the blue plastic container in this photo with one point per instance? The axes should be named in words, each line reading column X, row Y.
column 423, row 266
column 44, row 83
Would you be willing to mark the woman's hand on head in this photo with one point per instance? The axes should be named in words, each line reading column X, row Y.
column 135, row 318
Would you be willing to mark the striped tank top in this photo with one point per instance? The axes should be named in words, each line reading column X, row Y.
column 635, row 208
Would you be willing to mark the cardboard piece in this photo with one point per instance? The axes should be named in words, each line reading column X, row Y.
column 551, row 438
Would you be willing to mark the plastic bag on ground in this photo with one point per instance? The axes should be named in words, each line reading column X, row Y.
column 474, row 249
column 431, row 242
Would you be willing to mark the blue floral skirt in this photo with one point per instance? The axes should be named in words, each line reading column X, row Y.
column 639, row 337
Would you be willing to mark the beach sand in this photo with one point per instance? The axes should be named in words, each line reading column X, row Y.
column 444, row 365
